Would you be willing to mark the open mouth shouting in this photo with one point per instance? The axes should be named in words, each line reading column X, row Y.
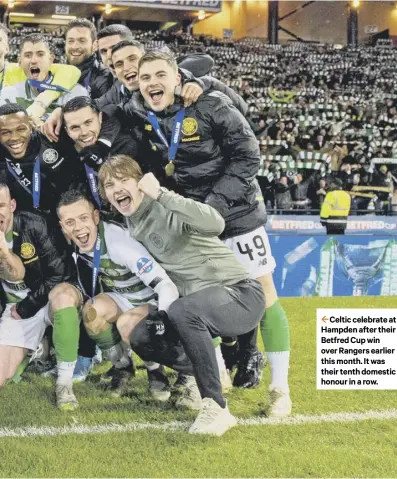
column 35, row 73
column 156, row 95
column 124, row 201
column 83, row 240
column 131, row 78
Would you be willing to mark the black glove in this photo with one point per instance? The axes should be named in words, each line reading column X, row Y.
column 155, row 323
column 95, row 155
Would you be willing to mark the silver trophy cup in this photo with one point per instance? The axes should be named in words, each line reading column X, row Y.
column 361, row 263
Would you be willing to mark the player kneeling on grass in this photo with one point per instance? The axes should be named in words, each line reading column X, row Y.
column 33, row 262
column 218, row 296
column 132, row 285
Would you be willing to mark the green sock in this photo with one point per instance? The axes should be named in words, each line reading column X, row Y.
column 18, row 373
column 275, row 329
column 216, row 341
column 66, row 334
column 106, row 339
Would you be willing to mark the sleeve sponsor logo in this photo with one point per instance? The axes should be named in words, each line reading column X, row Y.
column 144, row 265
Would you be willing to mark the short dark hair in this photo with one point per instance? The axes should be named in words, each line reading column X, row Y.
column 11, row 108
column 69, row 197
column 128, row 43
column 35, row 38
column 4, row 29
column 79, row 102
column 115, row 29
column 82, row 23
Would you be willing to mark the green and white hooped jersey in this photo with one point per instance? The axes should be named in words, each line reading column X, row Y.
column 126, row 267
column 15, row 291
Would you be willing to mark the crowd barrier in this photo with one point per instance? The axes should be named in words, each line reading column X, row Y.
column 363, row 262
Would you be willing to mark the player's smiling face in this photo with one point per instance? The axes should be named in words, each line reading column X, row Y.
column 79, row 222
column 79, row 45
column 122, row 192
column 125, row 64
column 157, row 82
column 15, row 133
column 36, row 60
column 83, row 126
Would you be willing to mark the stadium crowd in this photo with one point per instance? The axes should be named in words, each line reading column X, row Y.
column 325, row 117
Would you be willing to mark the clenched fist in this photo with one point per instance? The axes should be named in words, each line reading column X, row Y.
column 150, row 186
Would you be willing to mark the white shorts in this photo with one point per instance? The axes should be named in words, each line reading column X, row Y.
column 23, row 333
column 253, row 250
column 124, row 304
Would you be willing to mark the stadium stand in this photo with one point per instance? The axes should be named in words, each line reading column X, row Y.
column 325, row 116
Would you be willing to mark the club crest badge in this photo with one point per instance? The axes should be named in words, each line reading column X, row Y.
column 189, row 126
column 50, row 156
column 27, row 250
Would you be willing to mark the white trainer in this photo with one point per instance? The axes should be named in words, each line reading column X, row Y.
column 280, row 404
column 226, row 381
column 213, row 419
column 66, row 400
column 190, row 397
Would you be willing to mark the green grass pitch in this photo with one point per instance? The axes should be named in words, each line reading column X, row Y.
column 362, row 448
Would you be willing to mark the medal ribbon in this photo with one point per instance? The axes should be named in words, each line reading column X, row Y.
column 36, row 180
column 176, row 133
column 40, row 86
column 90, row 173
column 96, row 263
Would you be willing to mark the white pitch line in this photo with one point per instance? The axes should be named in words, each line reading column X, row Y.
column 181, row 426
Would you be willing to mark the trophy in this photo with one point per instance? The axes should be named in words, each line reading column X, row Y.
column 361, row 263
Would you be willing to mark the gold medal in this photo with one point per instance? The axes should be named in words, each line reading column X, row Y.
column 170, row 168
column 91, row 314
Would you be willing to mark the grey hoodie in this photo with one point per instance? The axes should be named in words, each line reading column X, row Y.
column 182, row 235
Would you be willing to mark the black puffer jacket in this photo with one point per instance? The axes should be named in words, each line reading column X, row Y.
column 216, row 162
column 43, row 251
column 58, row 170
column 95, row 77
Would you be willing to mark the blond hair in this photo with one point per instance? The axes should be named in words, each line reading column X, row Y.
column 154, row 55
column 118, row 166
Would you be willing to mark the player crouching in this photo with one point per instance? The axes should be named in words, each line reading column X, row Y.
column 131, row 286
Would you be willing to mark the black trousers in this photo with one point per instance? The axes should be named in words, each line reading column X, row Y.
column 215, row 311
column 166, row 349
column 335, row 229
